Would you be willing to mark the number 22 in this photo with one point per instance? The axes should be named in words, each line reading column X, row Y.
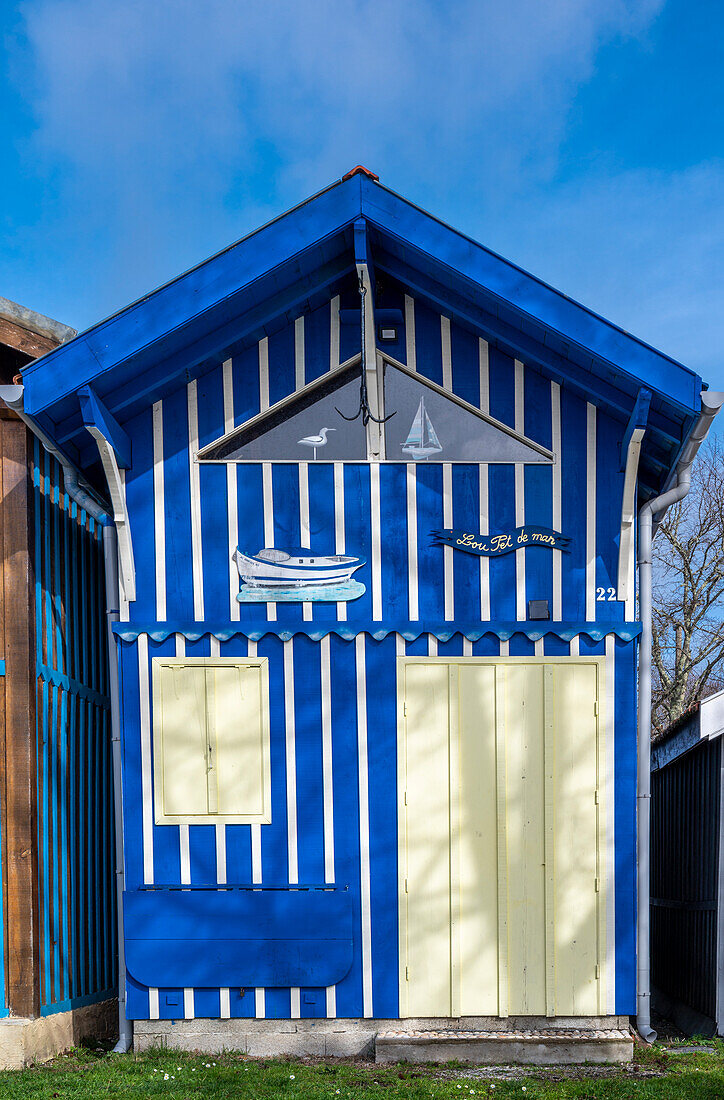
column 606, row 594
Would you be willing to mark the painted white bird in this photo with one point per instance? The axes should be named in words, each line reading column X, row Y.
column 316, row 440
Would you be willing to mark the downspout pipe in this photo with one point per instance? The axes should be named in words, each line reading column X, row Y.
column 654, row 510
column 85, row 499
column 110, row 558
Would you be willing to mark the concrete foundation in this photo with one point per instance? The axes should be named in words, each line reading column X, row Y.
column 539, row 1047
column 24, row 1042
column 344, row 1038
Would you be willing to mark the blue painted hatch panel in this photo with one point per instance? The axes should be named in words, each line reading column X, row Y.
column 238, row 937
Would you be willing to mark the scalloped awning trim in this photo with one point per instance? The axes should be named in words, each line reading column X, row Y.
column 409, row 631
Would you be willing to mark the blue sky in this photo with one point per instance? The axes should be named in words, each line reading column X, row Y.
column 582, row 139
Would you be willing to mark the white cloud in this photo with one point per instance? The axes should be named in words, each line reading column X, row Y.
column 179, row 126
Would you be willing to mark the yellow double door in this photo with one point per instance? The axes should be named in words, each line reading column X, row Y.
column 501, row 830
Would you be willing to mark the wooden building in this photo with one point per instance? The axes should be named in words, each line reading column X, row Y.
column 687, row 870
column 58, row 920
column 374, row 490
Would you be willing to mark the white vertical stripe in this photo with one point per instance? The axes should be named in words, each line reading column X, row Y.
column 327, row 786
column 520, row 603
column 574, row 646
column 263, row 374
column 334, row 332
column 215, row 651
column 184, row 854
column 224, row 1005
column 590, row 511
column 400, row 645
column 504, row 647
column 196, row 549
column 299, row 352
column 146, row 781
column 556, row 471
column 304, row 534
column 410, row 350
column 467, row 647
column 266, row 476
column 295, row 1010
column 159, row 516
column 339, row 539
column 327, row 772
column 538, row 647
column 256, row 872
column 376, row 541
column 412, row 591
column 431, row 645
column 291, row 760
column 446, row 353
column 231, row 496
column 123, row 608
column 447, row 522
column 484, row 370
column 364, row 826
column 609, row 802
column 484, row 562
column 227, row 375
column 153, row 1013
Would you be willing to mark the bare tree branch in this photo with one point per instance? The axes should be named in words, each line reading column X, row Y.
column 688, row 615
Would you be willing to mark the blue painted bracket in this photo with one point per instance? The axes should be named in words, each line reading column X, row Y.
column 362, row 250
column 96, row 415
column 637, row 421
column 219, row 938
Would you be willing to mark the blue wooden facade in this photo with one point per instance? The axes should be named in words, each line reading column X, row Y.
column 202, row 356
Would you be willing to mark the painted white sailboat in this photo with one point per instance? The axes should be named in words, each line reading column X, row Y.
column 422, row 438
column 272, row 568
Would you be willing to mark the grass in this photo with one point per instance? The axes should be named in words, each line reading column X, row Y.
column 658, row 1073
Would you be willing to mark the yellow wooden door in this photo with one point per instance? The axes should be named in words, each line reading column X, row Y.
column 500, row 899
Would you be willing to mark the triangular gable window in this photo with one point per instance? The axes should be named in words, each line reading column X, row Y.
column 426, row 424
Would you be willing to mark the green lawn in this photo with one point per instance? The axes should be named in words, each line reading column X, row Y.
column 82, row 1075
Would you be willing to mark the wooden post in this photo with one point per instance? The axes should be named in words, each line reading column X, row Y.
column 17, row 751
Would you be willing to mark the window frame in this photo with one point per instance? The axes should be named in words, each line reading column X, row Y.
column 382, row 360
column 157, row 732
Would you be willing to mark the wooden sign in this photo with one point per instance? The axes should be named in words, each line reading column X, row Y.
column 502, row 542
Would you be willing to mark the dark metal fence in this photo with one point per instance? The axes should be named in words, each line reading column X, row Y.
column 685, row 813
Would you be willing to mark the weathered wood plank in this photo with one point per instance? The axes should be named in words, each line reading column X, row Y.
column 22, row 339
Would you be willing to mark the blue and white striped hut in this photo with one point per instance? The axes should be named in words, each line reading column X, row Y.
column 375, row 492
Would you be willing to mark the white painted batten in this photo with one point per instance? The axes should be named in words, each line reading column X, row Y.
column 410, row 346
column 159, row 514
column 556, row 499
column 412, row 589
column 364, row 826
column 590, row 511
column 196, row 542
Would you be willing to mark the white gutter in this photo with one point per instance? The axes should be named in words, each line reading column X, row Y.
column 710, row 406
column 84, row 497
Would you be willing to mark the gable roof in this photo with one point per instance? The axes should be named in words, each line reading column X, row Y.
column 137, row 355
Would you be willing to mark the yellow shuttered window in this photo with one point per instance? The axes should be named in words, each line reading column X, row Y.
column 211, row 740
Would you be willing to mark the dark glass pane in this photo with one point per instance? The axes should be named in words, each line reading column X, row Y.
column 429, row 427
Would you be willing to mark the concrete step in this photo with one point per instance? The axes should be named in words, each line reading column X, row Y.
column 543, row 1047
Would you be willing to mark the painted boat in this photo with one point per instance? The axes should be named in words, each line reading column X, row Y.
column 422, row 440
column 271, row 568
